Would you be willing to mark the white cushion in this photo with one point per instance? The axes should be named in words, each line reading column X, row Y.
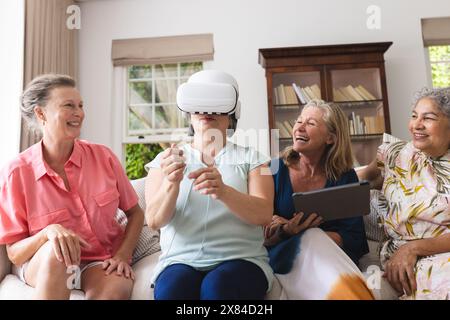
column 369, row 265
column 12, row 288
column 143, row 270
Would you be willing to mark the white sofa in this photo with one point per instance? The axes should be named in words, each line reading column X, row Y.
column 12, row 288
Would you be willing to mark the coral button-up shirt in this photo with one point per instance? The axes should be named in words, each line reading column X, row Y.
column 33, row 196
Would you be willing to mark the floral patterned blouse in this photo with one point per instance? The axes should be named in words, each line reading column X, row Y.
column 417, row 192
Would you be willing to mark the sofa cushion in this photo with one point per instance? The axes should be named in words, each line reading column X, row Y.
column 139, row 187
column 143, row 270
column 148, row 242
column 12, row 288
column 5, row 264
column 372, row 221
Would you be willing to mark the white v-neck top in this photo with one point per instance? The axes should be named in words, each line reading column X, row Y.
column 204, row 232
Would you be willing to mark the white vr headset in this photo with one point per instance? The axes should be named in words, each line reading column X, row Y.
column 210, row 92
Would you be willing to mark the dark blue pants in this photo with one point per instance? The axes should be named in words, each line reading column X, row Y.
column 230, row 280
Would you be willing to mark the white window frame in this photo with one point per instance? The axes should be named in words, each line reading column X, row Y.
column 430, row 63
column 120, row 136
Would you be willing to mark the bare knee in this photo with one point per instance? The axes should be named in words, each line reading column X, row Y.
column 44, row 267
column 49, row 261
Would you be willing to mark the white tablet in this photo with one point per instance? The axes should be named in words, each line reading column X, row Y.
column 346, row 201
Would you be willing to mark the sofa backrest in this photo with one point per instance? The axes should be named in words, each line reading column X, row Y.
column 5, row 264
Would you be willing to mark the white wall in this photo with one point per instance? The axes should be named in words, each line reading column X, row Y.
column 11, row 70
column 240, row 28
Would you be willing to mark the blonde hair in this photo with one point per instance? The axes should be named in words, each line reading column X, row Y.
column 338, row 157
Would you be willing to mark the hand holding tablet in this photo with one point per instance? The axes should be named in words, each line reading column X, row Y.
column 346, row 201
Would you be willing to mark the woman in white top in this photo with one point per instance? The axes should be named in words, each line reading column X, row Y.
column 210, row 200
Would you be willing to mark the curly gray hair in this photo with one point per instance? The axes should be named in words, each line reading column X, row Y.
column 440, row 96
column 37, row 94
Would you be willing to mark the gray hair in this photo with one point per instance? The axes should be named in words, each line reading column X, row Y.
column 440, row 96
column 37, row 93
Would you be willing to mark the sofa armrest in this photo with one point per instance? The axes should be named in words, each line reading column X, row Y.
column 5, row 264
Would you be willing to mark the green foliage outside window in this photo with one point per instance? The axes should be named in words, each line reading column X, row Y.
column 137, row 156
column 440, row 66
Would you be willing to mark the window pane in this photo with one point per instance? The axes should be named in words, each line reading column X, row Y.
column 441, row 74
column 184, row 119
column 140, row 92
column 188, row 69
column 166, row 91
column 166, row 117
column 139, row 118
column 151, row 106
column 135, row 72
column 439, row 53
column 166, row 71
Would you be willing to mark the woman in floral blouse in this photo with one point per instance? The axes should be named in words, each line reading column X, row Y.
column 415, row 180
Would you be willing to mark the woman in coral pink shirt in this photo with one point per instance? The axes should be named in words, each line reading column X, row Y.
column 58, row 203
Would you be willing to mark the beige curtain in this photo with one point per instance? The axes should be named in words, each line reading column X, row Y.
column 50, row 47
column 436, row 31
column 163, row 50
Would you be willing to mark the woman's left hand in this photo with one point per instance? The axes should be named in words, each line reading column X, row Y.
column 208, row 181
column 399, row 270
column 120, row 264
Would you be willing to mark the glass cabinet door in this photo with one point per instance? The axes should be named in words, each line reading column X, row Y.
column 358, row 92
column 290, row 92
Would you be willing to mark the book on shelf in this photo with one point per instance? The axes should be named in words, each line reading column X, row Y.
column 284, row 133
column 305, row 94
column 293, row 94
column 350, row 93
column 366, row 93
column 365, row 125
column 310, row 93
column 275, row 96
column 316, row 90
column 281, row 94
column 353, row 93
column 338, row 95
column 290, row 94
column 288, row 126
column 285, row 95
column 299, row 93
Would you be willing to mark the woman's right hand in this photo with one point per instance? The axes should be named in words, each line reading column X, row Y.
column 293, row 226
column 173, row 164
column 66, row 244
column 270, row 229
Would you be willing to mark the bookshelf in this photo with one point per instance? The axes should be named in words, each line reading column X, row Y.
column 350, row 75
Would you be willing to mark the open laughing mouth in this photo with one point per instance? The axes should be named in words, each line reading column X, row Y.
column 74, row 124
column 301, row 138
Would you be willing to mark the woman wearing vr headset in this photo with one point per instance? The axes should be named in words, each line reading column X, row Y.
column 313, row 259
column 59, row 199
column 210, row 201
